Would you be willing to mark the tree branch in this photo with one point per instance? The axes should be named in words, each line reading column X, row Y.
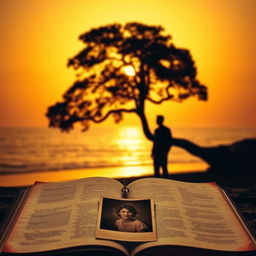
column 159, row 101
column 118, row 111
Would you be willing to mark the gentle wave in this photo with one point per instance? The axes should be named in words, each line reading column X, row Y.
column 31, row 169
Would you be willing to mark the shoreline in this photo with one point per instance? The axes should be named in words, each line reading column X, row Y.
column 24, row 179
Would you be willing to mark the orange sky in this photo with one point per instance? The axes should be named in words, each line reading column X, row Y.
column 38, row 36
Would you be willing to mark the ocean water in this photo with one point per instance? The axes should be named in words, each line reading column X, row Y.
column 24, row 150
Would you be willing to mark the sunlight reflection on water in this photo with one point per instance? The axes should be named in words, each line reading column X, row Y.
column 131, row 140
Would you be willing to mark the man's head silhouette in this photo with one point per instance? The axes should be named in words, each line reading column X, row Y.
column 159, row 119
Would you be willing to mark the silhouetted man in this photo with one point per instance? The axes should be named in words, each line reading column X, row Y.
column 161, row 147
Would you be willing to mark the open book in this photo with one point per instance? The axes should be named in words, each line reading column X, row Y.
column 191, row 219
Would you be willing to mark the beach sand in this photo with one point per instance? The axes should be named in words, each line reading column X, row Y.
column 111, row 172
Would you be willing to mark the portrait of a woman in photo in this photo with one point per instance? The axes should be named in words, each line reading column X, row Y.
column 128, row 221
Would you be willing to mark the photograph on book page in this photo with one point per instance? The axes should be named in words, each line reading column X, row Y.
column 130, row 220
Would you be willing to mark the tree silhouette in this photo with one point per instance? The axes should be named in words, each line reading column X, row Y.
column 158, row 72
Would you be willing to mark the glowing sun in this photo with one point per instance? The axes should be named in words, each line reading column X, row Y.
column 129, row 70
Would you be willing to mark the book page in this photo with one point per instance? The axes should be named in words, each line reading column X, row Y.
column 62, row 214
column 192, row 214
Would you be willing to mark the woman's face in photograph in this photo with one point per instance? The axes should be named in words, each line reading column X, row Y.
column 126, row 214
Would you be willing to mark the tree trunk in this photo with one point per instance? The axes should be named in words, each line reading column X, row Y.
column 238, row 155
column 145, row 126
column 211, row 155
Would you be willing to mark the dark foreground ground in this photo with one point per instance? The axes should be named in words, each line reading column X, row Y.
column 241, row 189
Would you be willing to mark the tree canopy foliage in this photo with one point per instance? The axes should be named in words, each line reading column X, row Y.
column 103, row 88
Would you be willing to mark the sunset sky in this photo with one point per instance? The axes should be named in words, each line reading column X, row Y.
column 38, row 37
